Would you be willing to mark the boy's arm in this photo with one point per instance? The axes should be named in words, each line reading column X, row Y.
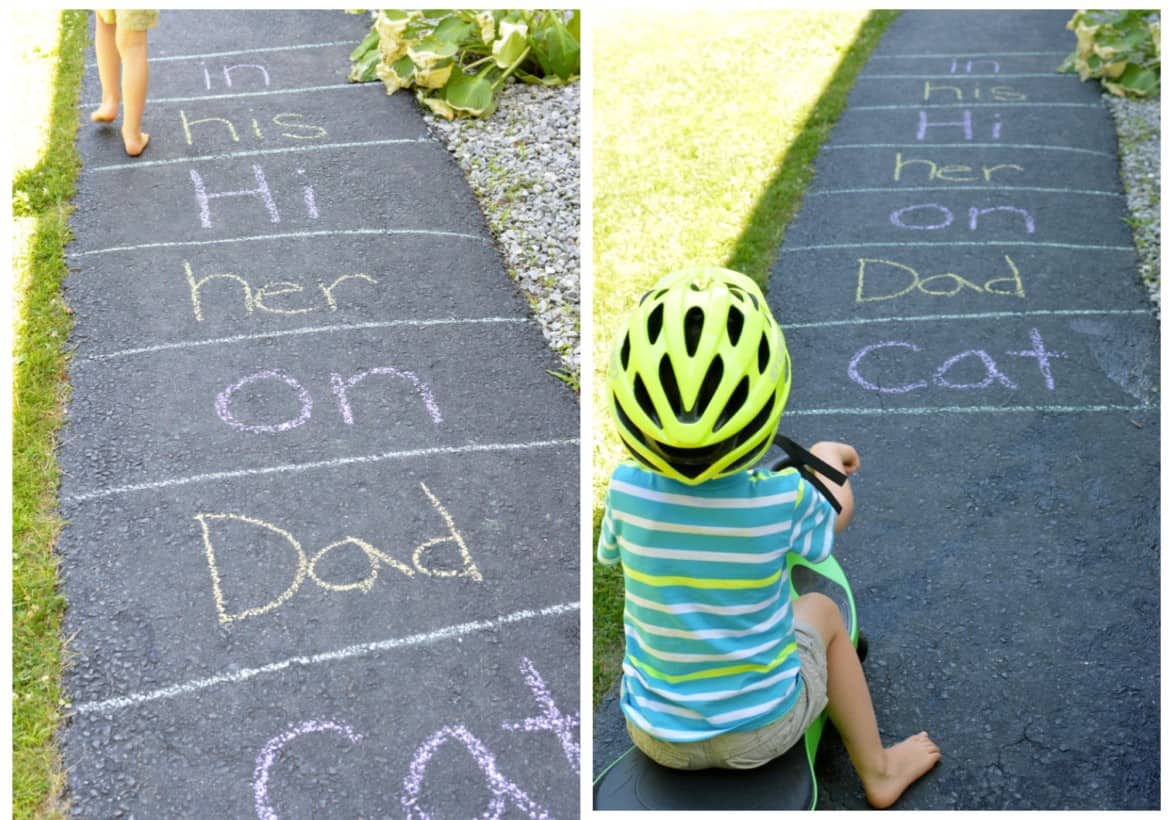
column 607, row 548
column 844, row 458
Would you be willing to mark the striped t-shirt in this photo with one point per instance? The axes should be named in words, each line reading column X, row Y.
column 708, row 616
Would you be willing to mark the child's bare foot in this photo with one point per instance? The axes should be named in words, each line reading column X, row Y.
column 106, row 112
column 905, row 762
column 134, row 147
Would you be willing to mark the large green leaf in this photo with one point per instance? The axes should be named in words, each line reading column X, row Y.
column 452, row 30
column 1140, row 82
column 368, row 44
column 557, row 48
column 468, row 93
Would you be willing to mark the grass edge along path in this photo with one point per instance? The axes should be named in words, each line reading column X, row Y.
column 753, row 253
column 39, row 392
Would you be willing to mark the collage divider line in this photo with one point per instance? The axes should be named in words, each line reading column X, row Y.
column 360, row 650
column 319, row 465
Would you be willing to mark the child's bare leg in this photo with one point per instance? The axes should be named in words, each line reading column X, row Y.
column 132, row 48
column 109, row 70
column 885, row 773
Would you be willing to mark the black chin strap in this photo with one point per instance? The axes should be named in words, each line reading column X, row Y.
column 806, row 462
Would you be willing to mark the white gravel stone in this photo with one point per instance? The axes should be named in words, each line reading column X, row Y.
column 1139, row 138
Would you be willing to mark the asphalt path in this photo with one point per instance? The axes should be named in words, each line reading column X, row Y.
column 961, row 302
column 321, row 555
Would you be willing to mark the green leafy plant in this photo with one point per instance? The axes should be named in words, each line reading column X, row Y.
column 455, row 60
column 1120, row 48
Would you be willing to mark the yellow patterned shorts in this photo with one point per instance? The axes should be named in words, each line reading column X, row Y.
column 129, row 19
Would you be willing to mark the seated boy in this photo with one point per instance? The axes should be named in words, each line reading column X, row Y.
column 722, row 668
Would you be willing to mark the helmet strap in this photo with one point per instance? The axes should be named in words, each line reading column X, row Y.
column 805, row 462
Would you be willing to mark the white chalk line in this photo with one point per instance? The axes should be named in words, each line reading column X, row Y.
column 360, row 650
column 939, row 106
column 319, row 465
column 266, row 50
column 988, row 243
column 261, row 152
column 931, row 146
column 930, row 411
column 946, row 317
column 962, row 55
column 292, row 235
column 894, row 189
column 302, row 331
column 1038, row 75
column 242, row 94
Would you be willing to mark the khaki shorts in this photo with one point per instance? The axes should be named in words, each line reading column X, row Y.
column 129, row 19
column 747, row 750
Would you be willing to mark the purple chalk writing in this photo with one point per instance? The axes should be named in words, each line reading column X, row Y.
column 267, row 756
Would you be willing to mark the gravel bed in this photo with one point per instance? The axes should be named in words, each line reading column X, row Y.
column 523, row 163
column 1139, row 140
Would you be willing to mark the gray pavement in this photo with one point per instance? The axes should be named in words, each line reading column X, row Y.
column 961, row 302
column 321, row 557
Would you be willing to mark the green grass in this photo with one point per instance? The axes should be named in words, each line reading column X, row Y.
column 706, row 125
column 42, row 193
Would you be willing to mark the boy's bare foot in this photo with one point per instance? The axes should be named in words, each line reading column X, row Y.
column 136, row 147
column 106, row 112
column 905, row 762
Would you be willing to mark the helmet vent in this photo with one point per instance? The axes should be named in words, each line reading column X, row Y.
column 765, row 354
column 669, row 385
column 642, row 396
column 734, row 403
column 693, row 329
column 734, row 325
column 625, row 353
column 654, row 324
column 707, row 390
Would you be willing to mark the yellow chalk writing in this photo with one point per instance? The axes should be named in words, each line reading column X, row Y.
column 950, row 172
column 878, row 278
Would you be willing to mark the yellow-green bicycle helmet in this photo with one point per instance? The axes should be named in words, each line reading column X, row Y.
column 699, row 375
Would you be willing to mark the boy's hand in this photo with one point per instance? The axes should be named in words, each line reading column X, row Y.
column 850, row 461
